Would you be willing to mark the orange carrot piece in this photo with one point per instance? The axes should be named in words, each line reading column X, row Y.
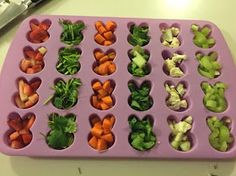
column 27, row 90
column 33, row 99
column 111, row 68
column 108, row 137
column 106, row 131
column 110, row 26
column 30, row 54
column 98, row 24
column 96, row 131
column 16, row 144
column 108, row 35
column 103, row 69
column 104, row 106
column 30, row 122
column 102, row 145
column 97, row 85
column 101, row 30
column 96, row 69
column 24, row 64
column 107, row 42
column 102, row 92
column 106, row 124
column 37, row 68
column 14, row 135
column 24, row 131
column 108, row 100
column 106, row 85
column 112, row 55
column 26, row 138
column 93, row 142
column 95, row 102
column 15, row 124
column 98, row 55
column 103, row 59
column 99, row 38
column 98, row 124
column 30, row 71
column 39, row 56
column 44, row 26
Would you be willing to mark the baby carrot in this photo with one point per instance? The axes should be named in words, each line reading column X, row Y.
column 108, row 35
column 93, row 142
column 97, row 85
column 108, row 100
column 98, row 55
column 99, row 38
column 110, row 26
column 108, row 137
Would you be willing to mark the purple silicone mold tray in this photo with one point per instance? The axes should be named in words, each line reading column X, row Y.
column 159, row 113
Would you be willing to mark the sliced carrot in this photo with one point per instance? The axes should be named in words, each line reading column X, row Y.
column 16, row 144
column 33, row 26
column 110, row 26
column 106, row 124
column 101, row 30
column 39, row 56
column 30, row 122
column 24, row 131
column 33, row 99
column 108, row 137
column 98, row 125
column 97, row 85
column 99, row 38
column 108, row 35
column 104, row 106
column 26, row 138
column 98, row 55
column 98, row 24
column 103, row 69
column 93, row 142
column 95, row 101
column 14, row 135
column 25, row 63
column 102, row 92
column 111, row 68
column 107, row 42
column 106, row 85
column 96, row 131
column 44, row 26
column 103, row 59
column 30, row 54
column 27, row 90
column 19, row 103
column 108, row 100
column 37, row 68
column 101, row 145
column 106, row 130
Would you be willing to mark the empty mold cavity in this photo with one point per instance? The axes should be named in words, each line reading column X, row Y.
column 63, row 127
column 33, row 61
column 38, row 31
column 173, row 64
column 137, row 67
column 203, row 36
column 170, row 35
column 66, row 93
column 139, row 34
column 26, row 96
column 68, row 60
column 102, row 97
column 209, row 65
column 19, row 134
column 101, row 137
column 220, row 137
column 141, row 137
column 104, row 62
column 176, row 99
column 181, row 138
column 214, row 96
column 72, row 32
column 140, row 98
column 105, row 33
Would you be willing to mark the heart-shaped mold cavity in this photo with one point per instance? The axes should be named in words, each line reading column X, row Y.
column 19, row 134
column 139, row 34
column 26, row 97
column 176, row 99
column 139, row 65
column 202, row 36
column 214, row 99
column 220, row 137
column 66, row 93
column 63, row 128
column 68, row 60
column 72, row 33
column 101, row 137
column 208, row 66
column 173, row 63
column 180, row 138
column 105, row 33
column 141, row 137
column 33, row 60
column 140, row 99
column 102, row 98
column 38, row 31
column 170, row 35
column 104, row 64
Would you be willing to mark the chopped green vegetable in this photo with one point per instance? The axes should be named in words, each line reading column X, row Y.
column 62, row 130
column 179, row 134
column 175, row 99
column 140, row 99
column 220, row 137
column 68, row 61
column 170, row 37
column 208, row 66
column 138, row 66
column 66, row 93
column 201, row 36
column 172, row 65
column 214, row 99
column 141, row 138
column 139, row 35
column 72, row 32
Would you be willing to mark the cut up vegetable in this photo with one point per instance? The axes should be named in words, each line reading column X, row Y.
column 139, row 35
column 170, row 38
column 101, row 137
column 102, row 97
column 141, row 137
column 27, row 95
column 172, row 65
column 202, row 37
column 179, row 138
column 105, row 33
column 140, row 99
column 214, row 99
column 20, row 135
column 72, row 32
column 220, row 137
column 138, row 66
column 68, row 63
column 66, row 93
column 175, row 100
column 33, row 62
column 62, row 131
column 208, row 65
column 39, row 32
column 104, row 62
